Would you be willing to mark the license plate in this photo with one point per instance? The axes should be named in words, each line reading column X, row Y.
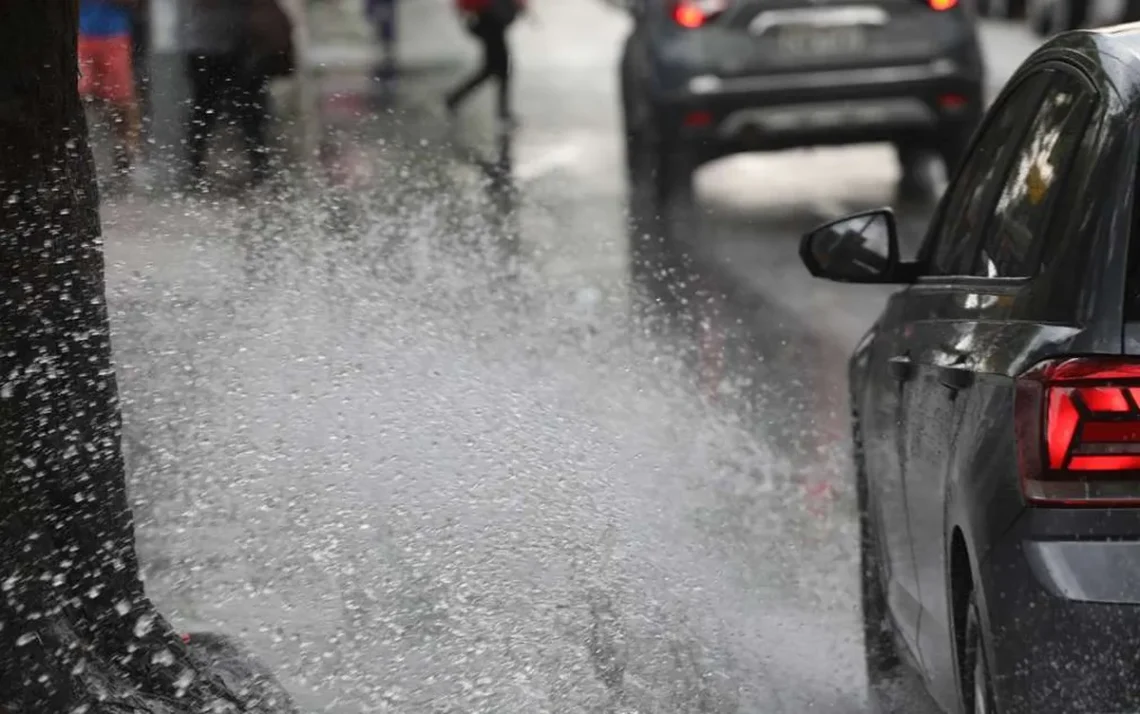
column 810, row 41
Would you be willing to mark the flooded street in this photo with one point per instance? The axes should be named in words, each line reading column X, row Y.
column 423, row 462
column 451, row 494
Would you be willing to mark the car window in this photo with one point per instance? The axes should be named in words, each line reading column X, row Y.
column 970, row 199
column 1020, row 222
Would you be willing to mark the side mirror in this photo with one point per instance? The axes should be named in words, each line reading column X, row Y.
column 861, row 248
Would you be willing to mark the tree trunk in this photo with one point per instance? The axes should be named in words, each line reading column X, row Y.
column 77, row 632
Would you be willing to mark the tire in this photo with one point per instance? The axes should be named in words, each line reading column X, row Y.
column 660, row 180
column 954, row 146
column 1041, row 17
column 977, row 688
column 243, row 673
column 913, row 182
column 880, row 653
column 1076, row 14
column 659, row 166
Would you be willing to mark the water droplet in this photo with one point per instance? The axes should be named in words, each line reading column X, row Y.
column 184, row 680
column 143, row 625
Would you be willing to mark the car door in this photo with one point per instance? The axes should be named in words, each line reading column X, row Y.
column 877, row 408
column 954, row 321
column 891, row 366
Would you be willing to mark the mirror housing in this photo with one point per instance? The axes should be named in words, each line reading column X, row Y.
column 860, row 248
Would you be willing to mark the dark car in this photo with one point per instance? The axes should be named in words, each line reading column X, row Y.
column 996, row 403
column 1002, row 9
column 702, row 79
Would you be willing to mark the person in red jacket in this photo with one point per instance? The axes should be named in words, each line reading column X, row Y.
column 488, row 21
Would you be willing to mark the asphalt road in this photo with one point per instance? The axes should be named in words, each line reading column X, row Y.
column 427, row 458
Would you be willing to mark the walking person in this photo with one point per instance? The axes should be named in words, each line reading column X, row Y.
column 227, row 75
column 382, row 15
column 488, row 21
column 106, row 74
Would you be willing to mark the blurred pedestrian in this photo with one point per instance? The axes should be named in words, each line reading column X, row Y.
column 106, row 75
column 382, row 15
column 488, row 21
column 229, row 73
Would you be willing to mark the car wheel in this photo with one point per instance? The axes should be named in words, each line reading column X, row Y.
column 954, row 146
column 660, row 171
column 977, row 690
column 1076, row 14
column 641, row 166
column 244, row 674
column 1041, row 16
column 675, row 170
column 881, row 657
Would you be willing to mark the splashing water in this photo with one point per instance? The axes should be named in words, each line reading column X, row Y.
column 417, row 482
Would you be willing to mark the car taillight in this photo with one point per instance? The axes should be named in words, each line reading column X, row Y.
column 692, row 14
column 941, row 5
column 1078, row 430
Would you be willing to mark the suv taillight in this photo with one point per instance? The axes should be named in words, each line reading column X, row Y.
column 1078, row 431
column 692, row 14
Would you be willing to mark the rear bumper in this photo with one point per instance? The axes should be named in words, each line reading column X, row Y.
column 908, row 103
column 1064, row 614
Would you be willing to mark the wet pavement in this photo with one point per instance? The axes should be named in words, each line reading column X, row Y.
column 422, row 429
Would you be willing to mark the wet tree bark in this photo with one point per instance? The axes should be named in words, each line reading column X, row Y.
column 77, row 632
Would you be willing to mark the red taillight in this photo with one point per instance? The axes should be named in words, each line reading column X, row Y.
column 692, row 14
column 697, row 119
column 1078, row 429
column 952, row 102
column 941, row 5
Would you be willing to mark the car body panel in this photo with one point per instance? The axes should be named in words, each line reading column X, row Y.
column 1035, row 573
column 880, row 419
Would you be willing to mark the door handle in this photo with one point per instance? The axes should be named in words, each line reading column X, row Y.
column 956, row 378
column 901, row 368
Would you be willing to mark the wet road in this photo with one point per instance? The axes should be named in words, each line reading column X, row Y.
column 425, row 458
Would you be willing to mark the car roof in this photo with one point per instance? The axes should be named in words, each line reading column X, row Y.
column 1115, row 42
